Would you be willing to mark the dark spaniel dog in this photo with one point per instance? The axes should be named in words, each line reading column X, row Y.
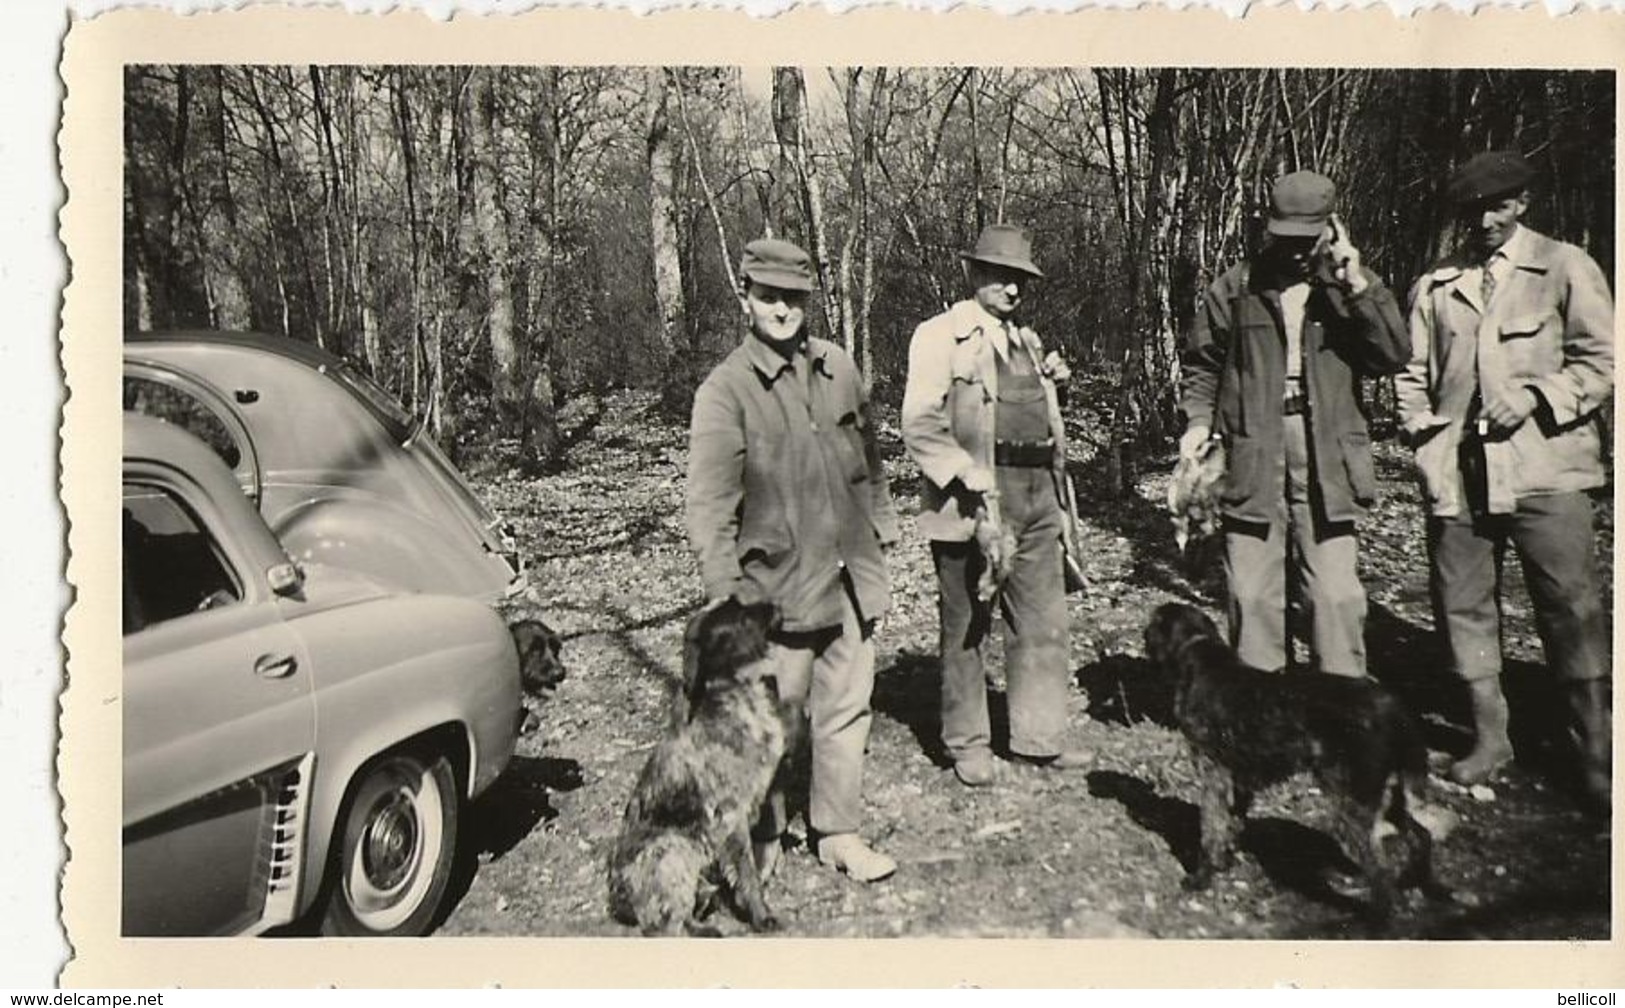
column 1248, row 729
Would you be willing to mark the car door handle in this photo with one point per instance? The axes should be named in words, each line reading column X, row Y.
column 275, row 666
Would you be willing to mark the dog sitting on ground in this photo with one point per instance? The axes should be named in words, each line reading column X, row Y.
column 686, row 831
column 1193, row 495
column 1248, row 729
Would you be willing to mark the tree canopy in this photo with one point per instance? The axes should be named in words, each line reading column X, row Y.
column 488, row 241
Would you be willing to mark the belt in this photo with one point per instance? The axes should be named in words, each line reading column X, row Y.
column 1294, row 403
column 1024, row 454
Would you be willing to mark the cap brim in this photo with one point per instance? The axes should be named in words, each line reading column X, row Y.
column 781, row 280
column 1011, row 261
column 1295, row 229
column 1463, row 197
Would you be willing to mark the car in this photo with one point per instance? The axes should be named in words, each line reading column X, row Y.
column 300, row 740
column 340, row 471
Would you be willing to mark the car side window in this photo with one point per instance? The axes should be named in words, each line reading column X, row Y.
column 181, row 408
column 172, row 565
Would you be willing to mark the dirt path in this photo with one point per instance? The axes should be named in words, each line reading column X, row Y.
column 1099, row 853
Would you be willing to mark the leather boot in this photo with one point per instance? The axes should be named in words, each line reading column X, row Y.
column 1588, row 706
column 1491, row 747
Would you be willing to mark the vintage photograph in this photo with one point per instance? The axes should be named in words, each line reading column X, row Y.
column 863, row 501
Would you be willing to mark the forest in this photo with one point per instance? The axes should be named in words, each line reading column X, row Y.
column 490, row 241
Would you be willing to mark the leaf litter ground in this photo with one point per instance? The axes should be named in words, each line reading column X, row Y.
column 1098, row 853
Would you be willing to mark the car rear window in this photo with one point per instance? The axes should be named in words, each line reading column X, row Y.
column 181, row 408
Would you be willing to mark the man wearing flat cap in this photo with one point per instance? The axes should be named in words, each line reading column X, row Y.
column 982, row 419
column 1512, row 358
column 1272, row 365
column 787, row 502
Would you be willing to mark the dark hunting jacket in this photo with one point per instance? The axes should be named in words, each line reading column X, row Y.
column 785, row 489
column 1235, row 378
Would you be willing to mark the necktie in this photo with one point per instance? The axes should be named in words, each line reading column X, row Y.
column 1486, row 285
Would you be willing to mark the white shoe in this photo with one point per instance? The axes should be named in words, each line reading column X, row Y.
column 848, row 853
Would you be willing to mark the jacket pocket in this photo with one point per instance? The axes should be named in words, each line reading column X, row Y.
column 962, row 366
column 1244, row 469
column 767, row 553
column 1525, row 325
column 764, row 523
column 1359, row 465
column 849, row 445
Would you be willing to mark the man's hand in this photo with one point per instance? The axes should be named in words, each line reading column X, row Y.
column 1195, row 436
column 977, row 480
column 1344, row 256
column 1056, row 368
column 1507, row 413
column 744, row 591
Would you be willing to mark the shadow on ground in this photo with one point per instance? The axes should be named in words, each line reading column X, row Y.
column 496, row 822
column 1291, row 855
column 1126, row 690
column 909, row 692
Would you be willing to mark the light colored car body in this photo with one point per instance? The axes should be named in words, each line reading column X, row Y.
column 334, row 463
column 257, row 692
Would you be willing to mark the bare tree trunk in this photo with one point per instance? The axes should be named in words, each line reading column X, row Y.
column 1138, row 418
column 786, row 202
column 371, row 338
column 705, row 185
column 761, row 179
column 677, row 390
column 404, row 127
column 973, row 98
column 491, row 228
column 791, row 127
column 539, row 439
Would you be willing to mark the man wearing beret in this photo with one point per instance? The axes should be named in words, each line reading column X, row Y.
column 787, row 502
column 982, row 419
column 1272, row 367
column 1512, row 357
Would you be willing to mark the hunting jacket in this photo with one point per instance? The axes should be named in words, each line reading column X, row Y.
column 1235, row 378
column 1549, row 328
column 785, row 489
column 949, row 407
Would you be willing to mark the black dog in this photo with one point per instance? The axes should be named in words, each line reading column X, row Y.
column 1248, row 729
column 541, row 669
column 687, row 827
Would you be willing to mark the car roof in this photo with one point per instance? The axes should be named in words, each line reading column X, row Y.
column 343, row 374
column 283, row 346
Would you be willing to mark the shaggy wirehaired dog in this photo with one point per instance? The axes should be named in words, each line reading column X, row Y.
column 1249, row 729
column 686, row 831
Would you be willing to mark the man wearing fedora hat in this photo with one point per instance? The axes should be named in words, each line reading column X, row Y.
column 1512, row 358
column 787, row 502
column 982, row 419
column 1272, row 367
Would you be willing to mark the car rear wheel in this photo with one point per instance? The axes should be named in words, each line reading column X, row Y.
column 398, row 835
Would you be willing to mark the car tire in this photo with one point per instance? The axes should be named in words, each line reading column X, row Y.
column 395, row 846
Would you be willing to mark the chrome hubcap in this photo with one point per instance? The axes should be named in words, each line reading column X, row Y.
column 390, row 844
